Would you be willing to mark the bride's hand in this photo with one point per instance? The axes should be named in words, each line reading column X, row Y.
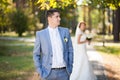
column 86, row 41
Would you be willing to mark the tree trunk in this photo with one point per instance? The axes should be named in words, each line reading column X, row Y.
column 116, row 26
column 43, row 18
column 109, row 20
column 104, row 26
column 84, row 14
column 19, row 34
column 89, row 19
column 20, row 4
column 33, row 6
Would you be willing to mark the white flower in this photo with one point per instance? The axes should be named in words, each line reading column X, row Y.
column 89, row 36
column 65, row 39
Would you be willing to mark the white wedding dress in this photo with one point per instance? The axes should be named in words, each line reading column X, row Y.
column 82, row 69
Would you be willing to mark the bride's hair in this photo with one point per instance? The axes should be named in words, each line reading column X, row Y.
column 81, row 24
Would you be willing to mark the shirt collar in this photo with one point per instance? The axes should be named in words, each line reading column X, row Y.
column 52, row 29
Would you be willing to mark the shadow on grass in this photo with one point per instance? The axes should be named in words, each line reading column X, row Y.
column 104, row 72
column 15, row 50
column 98, row 70
column 16, row 62
column 110, row 73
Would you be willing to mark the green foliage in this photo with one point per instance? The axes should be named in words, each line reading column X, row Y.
column 4, row 10
column 19, row 22
column 95, row 18
column 68, row 17
column 4, row 3
column 104, row 3
column 12, row 19
column 47, row 4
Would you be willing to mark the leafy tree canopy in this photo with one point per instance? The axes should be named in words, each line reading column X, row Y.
column 47, row 4
column 113, row 4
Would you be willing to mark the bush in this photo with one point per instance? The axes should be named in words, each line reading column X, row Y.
column 19, row 22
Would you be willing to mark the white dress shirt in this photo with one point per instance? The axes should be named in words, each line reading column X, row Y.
column 57, row 48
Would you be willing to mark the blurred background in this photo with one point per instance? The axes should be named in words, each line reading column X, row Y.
column 20, row 19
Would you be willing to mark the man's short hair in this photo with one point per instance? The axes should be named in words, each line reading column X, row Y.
column 51, row 12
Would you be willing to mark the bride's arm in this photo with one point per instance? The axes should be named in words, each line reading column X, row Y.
column 78, row 40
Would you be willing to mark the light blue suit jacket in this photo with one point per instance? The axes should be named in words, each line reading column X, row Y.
column 42, row 54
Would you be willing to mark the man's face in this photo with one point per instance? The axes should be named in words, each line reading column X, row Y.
column 54, row 19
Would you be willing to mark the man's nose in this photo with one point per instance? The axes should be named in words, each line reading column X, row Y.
column 59, row 18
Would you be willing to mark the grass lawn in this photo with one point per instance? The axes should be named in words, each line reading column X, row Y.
column 16, row 62
column 115, row 50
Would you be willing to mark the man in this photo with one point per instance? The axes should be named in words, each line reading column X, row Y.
column 53, row 51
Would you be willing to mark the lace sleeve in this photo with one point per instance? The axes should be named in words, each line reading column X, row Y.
column 80, row 32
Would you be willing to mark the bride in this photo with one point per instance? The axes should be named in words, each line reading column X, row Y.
column 82, row 69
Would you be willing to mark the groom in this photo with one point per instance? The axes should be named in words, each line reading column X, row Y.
column 53, row 50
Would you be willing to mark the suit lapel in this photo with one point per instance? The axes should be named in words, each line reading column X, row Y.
column 62, row 37
column 48, row 39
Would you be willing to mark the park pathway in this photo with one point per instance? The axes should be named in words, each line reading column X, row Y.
column 97, row 62
column 94, row 57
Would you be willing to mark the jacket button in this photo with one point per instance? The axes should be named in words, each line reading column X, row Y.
column 50, row 63
column 51, row 55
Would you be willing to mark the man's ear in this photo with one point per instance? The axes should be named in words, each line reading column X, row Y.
column 49, row 18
